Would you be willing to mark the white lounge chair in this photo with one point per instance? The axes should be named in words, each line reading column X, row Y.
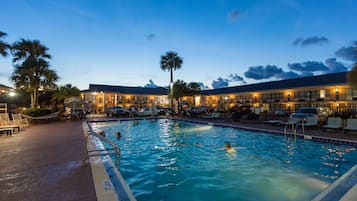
column 291, row 121
column 310, row 122
column 22, row 122
column 351, row 125
column 333, row 123
column 214, row 115
column 5, row 120
column 45, row 117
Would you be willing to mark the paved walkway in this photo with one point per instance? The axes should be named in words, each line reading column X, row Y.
column 43, row 162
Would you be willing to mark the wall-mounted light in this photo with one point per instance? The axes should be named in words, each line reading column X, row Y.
column 11, row 93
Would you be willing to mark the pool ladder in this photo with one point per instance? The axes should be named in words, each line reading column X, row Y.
column 100, row 152
column 295, row 129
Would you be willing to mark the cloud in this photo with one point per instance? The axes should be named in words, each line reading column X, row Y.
column 347, row 53
column 219, row 83
column 234, row 15
column 236, row 78
column 313, row 40
column 224, row 82
column 290, row 75
column 202, row 86
column 271, row 71
column 151, row 36
column 263, row 72
column 334, row 66
column 151, row 84
column 308, row 66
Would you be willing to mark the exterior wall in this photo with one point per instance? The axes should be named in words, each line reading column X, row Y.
column 332, row 98
column 329, row 98
column 99, row 102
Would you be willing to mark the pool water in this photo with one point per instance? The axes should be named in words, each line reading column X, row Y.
column 176, row 160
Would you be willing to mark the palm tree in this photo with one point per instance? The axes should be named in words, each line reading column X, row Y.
column 64, row 92
column 179, row 89
column 193, row 89
column 32, row 72
column 4, row 47
column 352, row 76
column 171, row 61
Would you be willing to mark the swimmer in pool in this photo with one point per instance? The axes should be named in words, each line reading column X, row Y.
column 228, row 147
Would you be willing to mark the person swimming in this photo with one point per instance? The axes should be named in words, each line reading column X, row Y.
column 228, row 147
column 118, row 135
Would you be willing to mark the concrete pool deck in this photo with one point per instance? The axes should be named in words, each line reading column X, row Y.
column 43, row 162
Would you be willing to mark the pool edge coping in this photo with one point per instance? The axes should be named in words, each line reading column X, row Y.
column 103, row 183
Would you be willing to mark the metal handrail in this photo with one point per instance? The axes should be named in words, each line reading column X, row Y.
column 116, row 148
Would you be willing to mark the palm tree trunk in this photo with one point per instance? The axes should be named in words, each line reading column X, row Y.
column 32, row 99
column 35, row 98
column 172, row 90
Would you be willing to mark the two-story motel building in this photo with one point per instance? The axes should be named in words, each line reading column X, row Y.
column 330, row 91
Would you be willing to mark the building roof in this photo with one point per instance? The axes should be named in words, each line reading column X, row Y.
column 4, row 86
column 127, row 90
column 327, row 79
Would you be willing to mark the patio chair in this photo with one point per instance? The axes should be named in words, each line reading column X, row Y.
column 291, row 121
column 48, row 117
column 9, row 130
column 333, row 123
column 214, row 115
column 351, row 125
column 310, row 122
column 22, row 122
column 5, row 120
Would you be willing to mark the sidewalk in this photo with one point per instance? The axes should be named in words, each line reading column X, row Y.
column 43, row 162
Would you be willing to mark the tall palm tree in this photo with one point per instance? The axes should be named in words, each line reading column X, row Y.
column 352, row 76
column 171, row 61
column 4, row 47
column 32, row 72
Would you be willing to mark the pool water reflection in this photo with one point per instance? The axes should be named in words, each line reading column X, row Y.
column 176, row 160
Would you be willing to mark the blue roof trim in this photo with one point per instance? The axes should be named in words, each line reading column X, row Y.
column 327, row 79
column 127, row 90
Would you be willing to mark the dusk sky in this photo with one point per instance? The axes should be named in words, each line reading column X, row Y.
column 221, row 42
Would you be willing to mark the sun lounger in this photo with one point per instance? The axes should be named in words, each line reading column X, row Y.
column 5, row 120
column 45, row 117
column 310, row 122
column 333, row 123
column 273, row 122
column 8, row 129
column 291, row 121
column 351, row 125
column 22, row 122
column 214, row 115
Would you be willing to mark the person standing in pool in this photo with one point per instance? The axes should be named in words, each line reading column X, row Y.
column 229, row 149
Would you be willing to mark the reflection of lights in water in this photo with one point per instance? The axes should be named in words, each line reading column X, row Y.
column 189, row 130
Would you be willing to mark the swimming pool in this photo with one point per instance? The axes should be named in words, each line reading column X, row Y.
column 176, row 160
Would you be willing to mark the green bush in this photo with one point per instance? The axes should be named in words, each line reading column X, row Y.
column 37, row 112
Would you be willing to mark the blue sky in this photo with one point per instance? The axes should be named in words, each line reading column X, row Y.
column 120, row 42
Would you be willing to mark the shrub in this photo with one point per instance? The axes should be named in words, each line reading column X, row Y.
column 37, row 112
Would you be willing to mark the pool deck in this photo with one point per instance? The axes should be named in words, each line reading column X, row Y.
column 43, row 162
